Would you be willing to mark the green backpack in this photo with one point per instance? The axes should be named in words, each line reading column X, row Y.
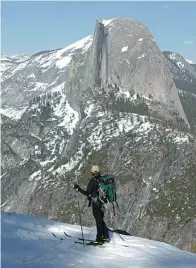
column 107, row 189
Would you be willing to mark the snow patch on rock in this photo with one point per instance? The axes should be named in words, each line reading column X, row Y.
column 142, row 56
column 124, row 49
column 13, row 113
column 106, row 22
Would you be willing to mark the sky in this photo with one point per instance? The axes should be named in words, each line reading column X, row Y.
column 32, row 26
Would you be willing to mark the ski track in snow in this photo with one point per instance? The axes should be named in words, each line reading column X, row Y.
column 27, row 242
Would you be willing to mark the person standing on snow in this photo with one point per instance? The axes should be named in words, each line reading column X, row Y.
column 92, row 194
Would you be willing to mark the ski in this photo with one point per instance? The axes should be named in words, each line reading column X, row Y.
column 98, row 245
column 79, row 238
column 85, row 241
column 89, row 244
column 57, row 237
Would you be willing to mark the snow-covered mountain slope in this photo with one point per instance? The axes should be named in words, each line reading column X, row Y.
column 184, row 75
column 28, row 242
column 183, row 72
column 8, row 61
column 39, row 74
column 190, row 61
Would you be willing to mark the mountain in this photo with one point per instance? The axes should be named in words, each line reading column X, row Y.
column 8, row 61
column 43, row 244
column 104, row 101
column 194, row 66
column 39, row 74
column 184, row 75
column 189, row 61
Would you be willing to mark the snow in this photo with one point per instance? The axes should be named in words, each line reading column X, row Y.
column 20, row 67
column 4, row 58
column 64, row 62
column 13, row 113
column 142, row 56
column 123, row 124
column 69, row 116
column 44, row 163
column 144, row 127
column 181, row 140
column 39, row 86
column 106, row 22
column 88, row 109
column 61, row 58
column 83, row 44
column 35, row 176
column 70, row 120
column 31, row 75
column 180, row 65
column 190, row 61
column 27, row 241
column 172, row 56
column 58, row 88
column 185, row 93
column 125, row 94
column 19, row 57
column 72, row 162
column 124, row 49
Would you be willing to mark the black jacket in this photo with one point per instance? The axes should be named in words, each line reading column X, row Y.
column 92, row 188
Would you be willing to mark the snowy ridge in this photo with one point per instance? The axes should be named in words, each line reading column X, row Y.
column 35, row 75
column 190, row 61
column 83, row 44
column 180, row 68
column 39, row 247
column 61, row 58
column 10, row 61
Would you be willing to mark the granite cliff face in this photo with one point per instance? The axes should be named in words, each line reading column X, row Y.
column 124, row 55
column 109, row 99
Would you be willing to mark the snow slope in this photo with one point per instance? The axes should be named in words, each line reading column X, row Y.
column 28, row 242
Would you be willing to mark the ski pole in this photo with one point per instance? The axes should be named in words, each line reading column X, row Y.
column 116, row 231
column 80, row 222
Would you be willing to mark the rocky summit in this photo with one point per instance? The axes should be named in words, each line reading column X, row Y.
column 113, row 99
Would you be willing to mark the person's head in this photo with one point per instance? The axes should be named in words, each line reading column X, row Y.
column 95, row 171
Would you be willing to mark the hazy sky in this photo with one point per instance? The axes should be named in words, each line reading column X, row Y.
column 29, row 27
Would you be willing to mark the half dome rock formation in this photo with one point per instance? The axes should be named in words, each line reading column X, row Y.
column 124, row 54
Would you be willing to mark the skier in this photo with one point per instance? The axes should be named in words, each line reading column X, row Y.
column 92, row 194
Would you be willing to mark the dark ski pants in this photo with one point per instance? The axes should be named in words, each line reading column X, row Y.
column 102, row 230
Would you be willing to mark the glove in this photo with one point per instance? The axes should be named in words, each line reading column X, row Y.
column 76, row 187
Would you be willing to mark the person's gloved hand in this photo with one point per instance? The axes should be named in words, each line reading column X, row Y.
column 76, row 187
